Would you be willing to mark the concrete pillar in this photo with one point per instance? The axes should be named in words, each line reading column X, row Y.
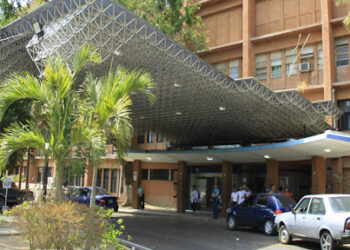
column 181, row 187
column 318, row 175
column 136, row 180
column 248, row 30
column 339, row 178
column 272, row 173
column 226, row 185
column 328, row 48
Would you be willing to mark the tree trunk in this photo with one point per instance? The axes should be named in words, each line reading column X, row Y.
column 59, row 180
column 94, row 183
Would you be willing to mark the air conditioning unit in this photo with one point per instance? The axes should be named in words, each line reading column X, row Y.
column 305, row 67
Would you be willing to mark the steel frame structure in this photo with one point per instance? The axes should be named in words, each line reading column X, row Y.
column 195, row 103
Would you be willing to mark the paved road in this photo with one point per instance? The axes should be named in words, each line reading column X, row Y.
column 175, row 232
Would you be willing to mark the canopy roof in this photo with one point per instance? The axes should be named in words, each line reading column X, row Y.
column 196, row 104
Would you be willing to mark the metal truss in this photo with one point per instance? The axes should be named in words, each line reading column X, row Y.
column 196, row 104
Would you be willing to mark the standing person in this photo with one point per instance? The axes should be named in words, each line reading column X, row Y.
column 241, row 195
column 248, row 192
column 286, row 192
column 141, row 195
column 194, row 198
column 215, row 195
column 234, row 197
column 272, row 189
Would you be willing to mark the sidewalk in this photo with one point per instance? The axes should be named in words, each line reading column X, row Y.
column 9, row 237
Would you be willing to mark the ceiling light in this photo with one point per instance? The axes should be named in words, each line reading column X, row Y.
column 148, row 158
column 327, row 150
column 266, row 156
column 178, row 113
column 38, row 29
column 177, row 85
column 210, row 158
column 221, row 108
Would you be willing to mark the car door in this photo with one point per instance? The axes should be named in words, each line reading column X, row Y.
column 299, row 217
column 75, row 195
column 314, row 218
column 245, row 212
column 261, row 210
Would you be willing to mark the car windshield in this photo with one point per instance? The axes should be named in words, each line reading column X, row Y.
column 340, row 204
column 101, row 191
column 285, row 201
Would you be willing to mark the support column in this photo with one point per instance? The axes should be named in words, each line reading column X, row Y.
column 272, row 173
column 226, row 185
column 181, row 187
column 338, row 171
column 136, row 180
column 318, row 175
column 248, row 30
column 328, row 48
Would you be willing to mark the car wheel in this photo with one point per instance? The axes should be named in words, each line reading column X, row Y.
column 268, row 227
column 231, row 223
column 327, row 242
column 284, row 236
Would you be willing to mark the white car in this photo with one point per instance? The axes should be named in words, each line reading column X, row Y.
column 324, row 218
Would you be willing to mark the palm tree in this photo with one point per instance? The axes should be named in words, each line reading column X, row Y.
column 108, row 109
column 55, row 98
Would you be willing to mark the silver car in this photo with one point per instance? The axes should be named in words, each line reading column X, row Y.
column 324, row 218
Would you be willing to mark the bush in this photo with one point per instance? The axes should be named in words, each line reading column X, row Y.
column 66, row 225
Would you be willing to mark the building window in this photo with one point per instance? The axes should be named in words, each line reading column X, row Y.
column 276, row 64
column 260, row 67
column 105, row 178
column 159, row 174
column 144, row 174
column 150, row 137
column 141, row 139
column 160, row 138
column 234, row 69
column 114, row 181
column 291, row 62
column 320, row 57
column 341, row 52
column 344, row 121
column 41, row 173
column 221, row 67
column 99, row 175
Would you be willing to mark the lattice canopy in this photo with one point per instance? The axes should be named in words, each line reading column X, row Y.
column 196, row 104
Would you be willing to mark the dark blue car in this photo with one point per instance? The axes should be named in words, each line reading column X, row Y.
column 103, row 198
column 259, row 211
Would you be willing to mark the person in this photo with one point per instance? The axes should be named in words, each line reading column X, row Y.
column 234, row 197
column 241, row 195
column 215, row 195
column 286, row 192
column 141, row 197
column 272, row 189
column 248, row 192
column 194, row 198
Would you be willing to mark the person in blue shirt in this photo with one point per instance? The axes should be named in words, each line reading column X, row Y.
column 215, row 195
column 141, row 195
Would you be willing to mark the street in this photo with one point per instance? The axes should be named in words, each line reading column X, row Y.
column 193, row 231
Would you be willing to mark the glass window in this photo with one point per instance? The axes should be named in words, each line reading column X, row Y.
column 221, row 67
column 260, row 67
column 341, row 52
column 276, row 64
column 150, row 137
column 101, row 191
column 99, row 175
column 302, row 208
column 105, row 178
column 317, row 206
column 291, row 62
column 159, row 174
column 77, row 181
column 141, row 139
column 114, row 181
column 144, row 175
column 249, row 202
column 340, row 204
column 307, row 52
column 320, row 56
column 76, row 193
column 40, row 173
column 344, row 121
column 262, row 201
column 234, row 69
column 285, row 201
column 160, row 138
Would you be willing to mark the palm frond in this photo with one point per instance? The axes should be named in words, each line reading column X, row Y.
column 88, row 53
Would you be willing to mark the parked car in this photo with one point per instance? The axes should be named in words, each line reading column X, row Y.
column 103, row 198
column 13, row 196
column 324, row 218
column 259, row 211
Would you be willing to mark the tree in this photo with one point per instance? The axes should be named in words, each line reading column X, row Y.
column 56, row 99
column 346, row 20
column 176, row 18
column 107, row 110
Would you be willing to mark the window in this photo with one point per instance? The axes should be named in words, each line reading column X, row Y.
column 99, row 174
column 159, row 174
column 221, row 67
column 77, row 181
column 320, row 57
column 249, row 202
column 144, row 175
column 114, row 181
column 291, row 62
column 105, row 178
column 307, row 52
column 341, row 52
column 302, row 208
column 340, row 204
column 234, row 69
column 262, row 201
column 160, row 138
column 150, row 137
column 344, row 121
column 276, row 64
column 260, row 67
column 317, row 206
column 141, row 139
column 41, row 173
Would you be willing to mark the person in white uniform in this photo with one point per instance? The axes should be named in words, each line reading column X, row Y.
column 194, row 198
column 241, row 195
column 234, row 197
